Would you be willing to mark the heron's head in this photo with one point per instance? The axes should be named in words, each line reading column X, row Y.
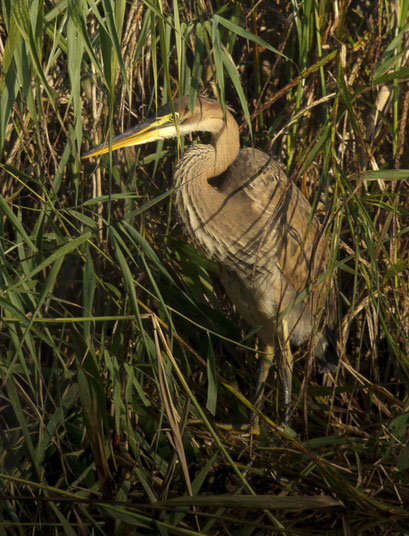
column 207, row 116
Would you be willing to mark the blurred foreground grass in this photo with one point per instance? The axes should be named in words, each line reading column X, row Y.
column 118, row 350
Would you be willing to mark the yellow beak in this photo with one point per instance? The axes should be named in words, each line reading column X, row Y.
column 149, row 130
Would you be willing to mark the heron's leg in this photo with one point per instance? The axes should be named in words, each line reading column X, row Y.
column 286, row 370
column 264, row 368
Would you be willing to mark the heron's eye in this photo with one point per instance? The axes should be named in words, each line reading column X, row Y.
column 174, row 117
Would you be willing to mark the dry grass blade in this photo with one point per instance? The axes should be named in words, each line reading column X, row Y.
column 259, row 502
column 172, row 414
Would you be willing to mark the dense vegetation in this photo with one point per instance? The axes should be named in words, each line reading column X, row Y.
column 119, row 352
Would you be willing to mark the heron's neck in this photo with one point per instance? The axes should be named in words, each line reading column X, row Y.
column 197, row 201
column 202, row 162
column 226, row 143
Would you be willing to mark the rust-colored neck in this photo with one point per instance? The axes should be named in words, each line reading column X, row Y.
column 197, row 201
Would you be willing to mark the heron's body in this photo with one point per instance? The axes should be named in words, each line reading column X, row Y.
column 241, row 210
column 256, row 226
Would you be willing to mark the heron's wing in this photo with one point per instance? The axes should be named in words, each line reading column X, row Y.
column 284, row 230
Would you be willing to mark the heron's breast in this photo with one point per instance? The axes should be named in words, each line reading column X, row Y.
column 255, row 298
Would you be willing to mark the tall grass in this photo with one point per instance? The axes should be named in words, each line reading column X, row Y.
column 118, row 350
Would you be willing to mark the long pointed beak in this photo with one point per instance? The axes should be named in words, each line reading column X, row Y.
column 149, row 130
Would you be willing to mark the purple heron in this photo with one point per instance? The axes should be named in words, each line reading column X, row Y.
column 241, row 210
